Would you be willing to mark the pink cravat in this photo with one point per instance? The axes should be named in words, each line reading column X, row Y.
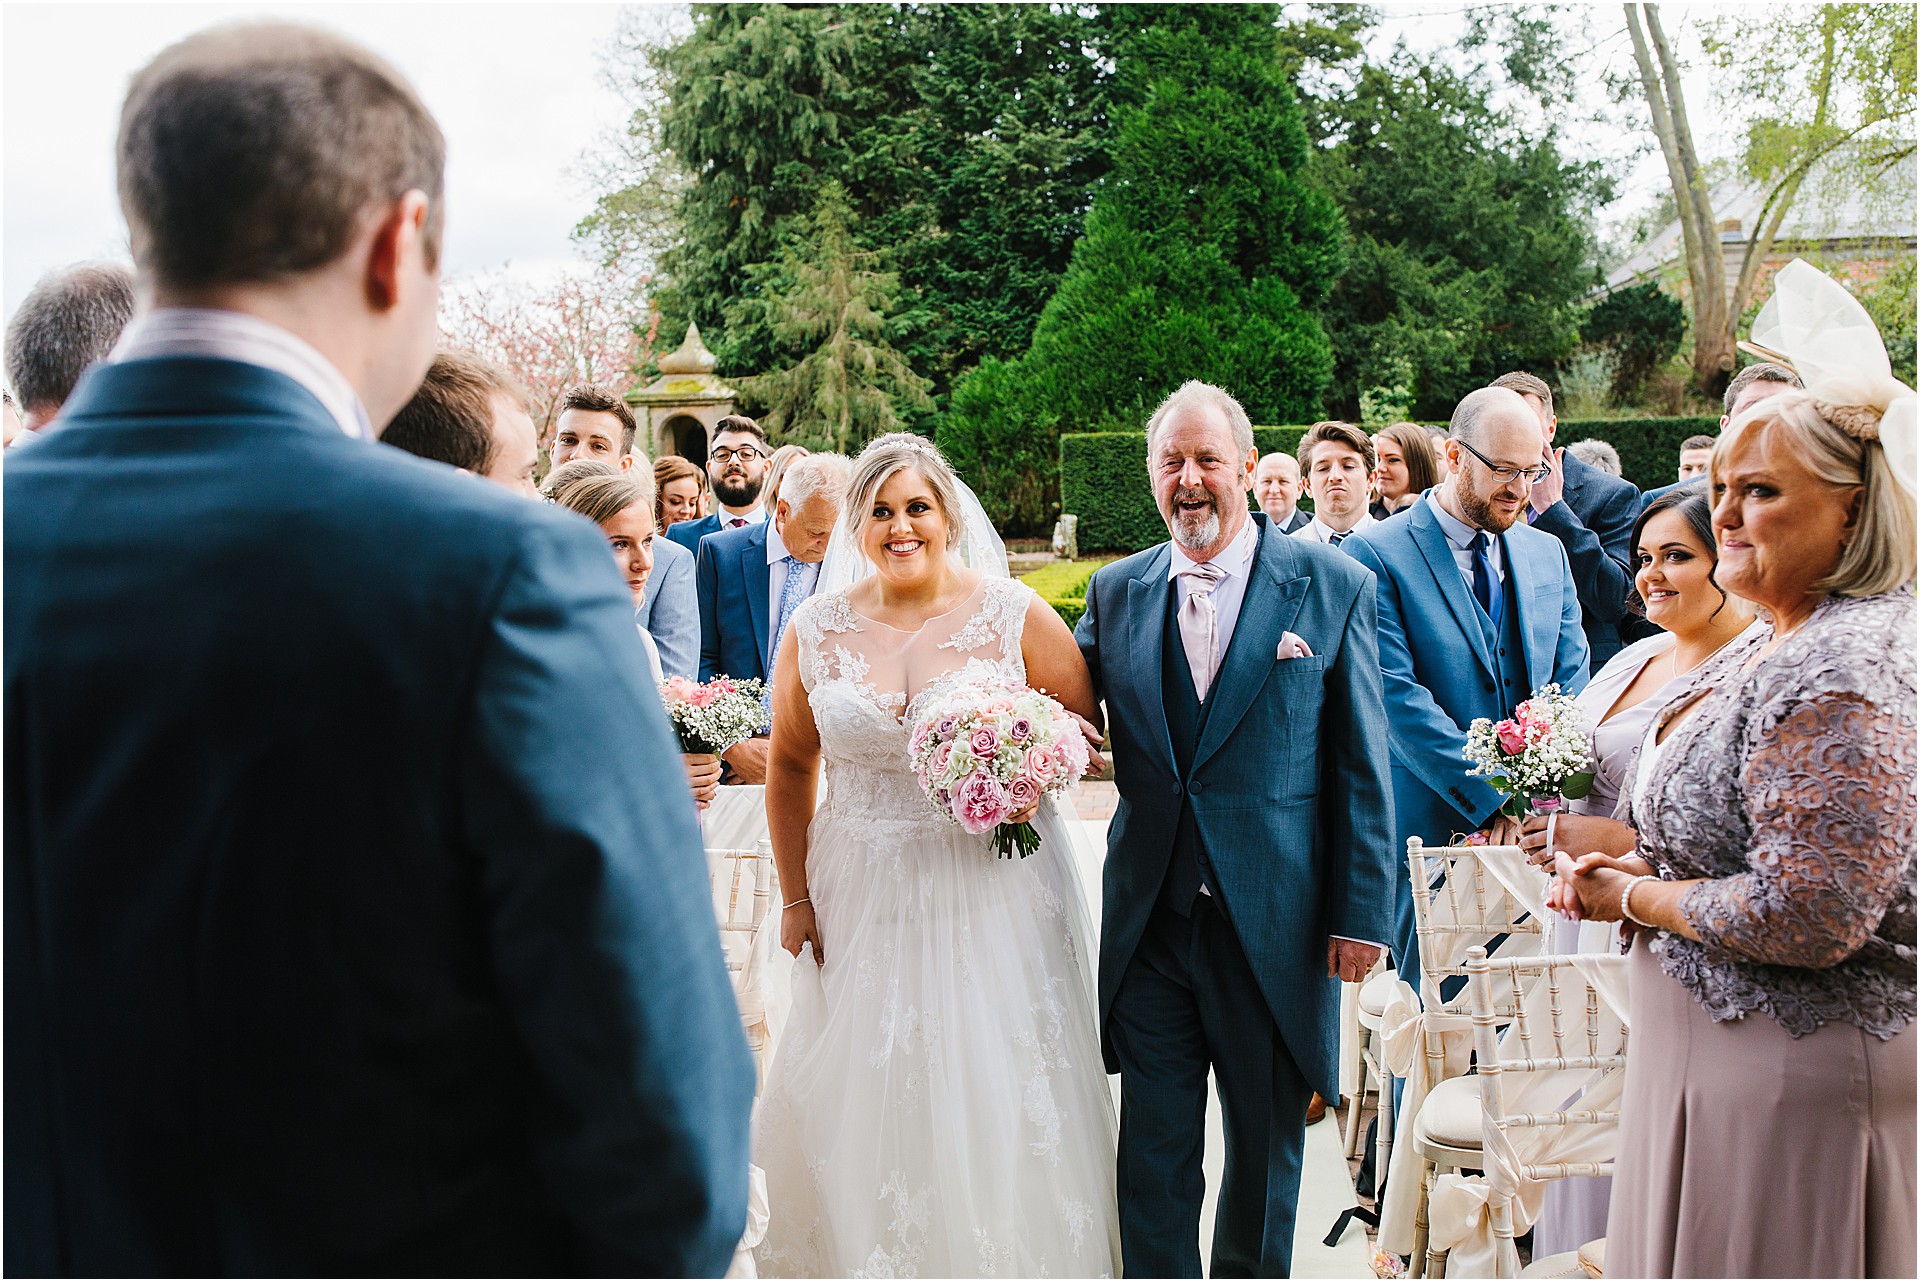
column 1200, row 623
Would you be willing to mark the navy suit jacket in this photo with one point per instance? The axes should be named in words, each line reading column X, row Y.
column 689, row 533
column 1288, row 783
column 732, row 580
column 1594, row 522
column 671, row 611
column 1438, row 672
column 356, row 915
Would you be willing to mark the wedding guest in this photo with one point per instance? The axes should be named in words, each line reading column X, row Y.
column 1598, row 455
column 1753, row 384
column 409, row 963
column 1773, row 1049
column 770, row 492
column 1592, row 515
column 1404, row 468
column 1276, row 488
column 1473, row 641
column 1336, row 459
column 681, row 486
column 737, row 471
column 468, row 414
column 753, row 578
column 1675, row 589
column 596, row 423
column 1695, row 453
column 669, row 611
column 617, row 502
column 68, row 321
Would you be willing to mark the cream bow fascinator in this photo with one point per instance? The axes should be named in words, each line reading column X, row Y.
column 1814, row 325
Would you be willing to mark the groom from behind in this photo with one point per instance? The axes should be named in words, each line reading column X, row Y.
column 1249, row 866
column 324, row 954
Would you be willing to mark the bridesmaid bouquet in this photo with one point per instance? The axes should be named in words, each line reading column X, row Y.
column 984, row 752
column 1540, row 754
column 713, row 717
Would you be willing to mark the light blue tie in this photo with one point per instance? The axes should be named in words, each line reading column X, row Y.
column 792, row 593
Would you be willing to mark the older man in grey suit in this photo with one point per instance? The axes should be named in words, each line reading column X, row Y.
column 1249, row 866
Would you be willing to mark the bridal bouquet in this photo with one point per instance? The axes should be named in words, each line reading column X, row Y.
column 714, row 716
column 984, row 752
column 1540, row 754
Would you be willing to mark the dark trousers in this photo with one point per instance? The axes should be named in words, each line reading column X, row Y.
column 1187, row 1002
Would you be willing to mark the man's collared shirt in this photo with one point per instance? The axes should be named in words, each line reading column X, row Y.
column 1230, row 592
column 734, row 521
column 1460, row 537
column 1320, row 532
column 237, row 336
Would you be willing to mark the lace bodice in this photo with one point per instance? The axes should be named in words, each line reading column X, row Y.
column 1790, row 789
column 862, row 677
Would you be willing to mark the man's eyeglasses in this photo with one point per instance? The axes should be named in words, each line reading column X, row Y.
column 1508, row 475
column 746, row 454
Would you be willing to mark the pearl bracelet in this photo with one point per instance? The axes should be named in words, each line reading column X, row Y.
column 804, row 899
column 1626, row 913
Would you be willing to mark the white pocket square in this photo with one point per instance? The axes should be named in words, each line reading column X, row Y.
column 1292, row 647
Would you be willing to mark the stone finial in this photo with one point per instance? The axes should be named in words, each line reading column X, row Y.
column 691, row 357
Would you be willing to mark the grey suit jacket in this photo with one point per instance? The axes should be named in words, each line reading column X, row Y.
column 671, row 611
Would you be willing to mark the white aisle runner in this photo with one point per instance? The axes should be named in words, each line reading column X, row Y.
column 1326, row 1189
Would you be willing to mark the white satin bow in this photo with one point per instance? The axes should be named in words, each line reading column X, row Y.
column 1820, row 329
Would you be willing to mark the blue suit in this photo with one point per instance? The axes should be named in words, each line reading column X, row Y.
column 689, row 533
column 356, row 916
column 731, row 578
column 1444, row 664
column 1278, row 788
column 671, row 611
column 1594, row 522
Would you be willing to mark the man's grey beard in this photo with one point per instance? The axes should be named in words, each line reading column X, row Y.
column 1196, row 533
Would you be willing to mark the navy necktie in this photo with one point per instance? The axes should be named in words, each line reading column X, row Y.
column 1335, row 539
column 1486, row 589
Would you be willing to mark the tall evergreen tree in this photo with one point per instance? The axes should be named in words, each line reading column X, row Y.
column 1204, row 255
column 827, row 303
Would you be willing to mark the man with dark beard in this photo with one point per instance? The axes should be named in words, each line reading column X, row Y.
column 1477, row 611
column 737, row 467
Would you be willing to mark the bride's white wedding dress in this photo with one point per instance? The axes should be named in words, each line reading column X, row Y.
column 937, row 1105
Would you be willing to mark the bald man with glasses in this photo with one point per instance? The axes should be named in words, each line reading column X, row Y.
column 1477, row 611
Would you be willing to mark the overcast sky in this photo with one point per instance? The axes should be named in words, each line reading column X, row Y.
column 517, row 87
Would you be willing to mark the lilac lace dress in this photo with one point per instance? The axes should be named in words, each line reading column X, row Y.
column 1768, row 1119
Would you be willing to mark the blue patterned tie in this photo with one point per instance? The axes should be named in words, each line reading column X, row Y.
column 792, row 593
column 1486, row 588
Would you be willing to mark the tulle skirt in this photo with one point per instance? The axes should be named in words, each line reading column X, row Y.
column 937, row 1105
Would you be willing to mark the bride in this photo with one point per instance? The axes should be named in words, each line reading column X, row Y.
column 937, row 1105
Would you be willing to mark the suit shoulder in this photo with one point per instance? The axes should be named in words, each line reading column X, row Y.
column 669, row 556
column 1127, row 567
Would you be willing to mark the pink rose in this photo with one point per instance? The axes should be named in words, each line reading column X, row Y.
column 942, row 758
column 980, row 803
column 1041, row 766
column 678, row 688
column 947, row 726
column 985, row 741
column 919, row 740
column 1021, row 793
column 1513, row 739
column 702, row 696
column 1022, row 730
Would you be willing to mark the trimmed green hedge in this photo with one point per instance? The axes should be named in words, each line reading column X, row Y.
column 1103, row 475
column 1649, row 447
column 1103, row 481
column 1063, row 585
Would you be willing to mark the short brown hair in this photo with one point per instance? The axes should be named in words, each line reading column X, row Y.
column 253, row 152
column 1340, row 434
column 70, row 319
column 667, row 469
column 597, row 399
column 1527, row 385
column 1696, row 443
column 740, row 423
column 1758, row 372
column 450, row 417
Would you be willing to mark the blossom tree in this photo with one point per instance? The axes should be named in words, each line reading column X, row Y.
column 580, row 328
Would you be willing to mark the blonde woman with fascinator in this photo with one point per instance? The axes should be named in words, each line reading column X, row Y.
column 1768, row 1117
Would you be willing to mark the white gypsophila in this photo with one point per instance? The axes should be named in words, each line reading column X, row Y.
column 1546, row 745
column 736, row 712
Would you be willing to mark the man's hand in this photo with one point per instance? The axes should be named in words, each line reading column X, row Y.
column 748, row 759
column 1096, row 764
column 1349, row 960
column 1548, row 489
column 1575, row 832
column 1503, row 830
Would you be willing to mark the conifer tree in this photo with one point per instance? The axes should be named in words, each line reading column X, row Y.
column 827, row 304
